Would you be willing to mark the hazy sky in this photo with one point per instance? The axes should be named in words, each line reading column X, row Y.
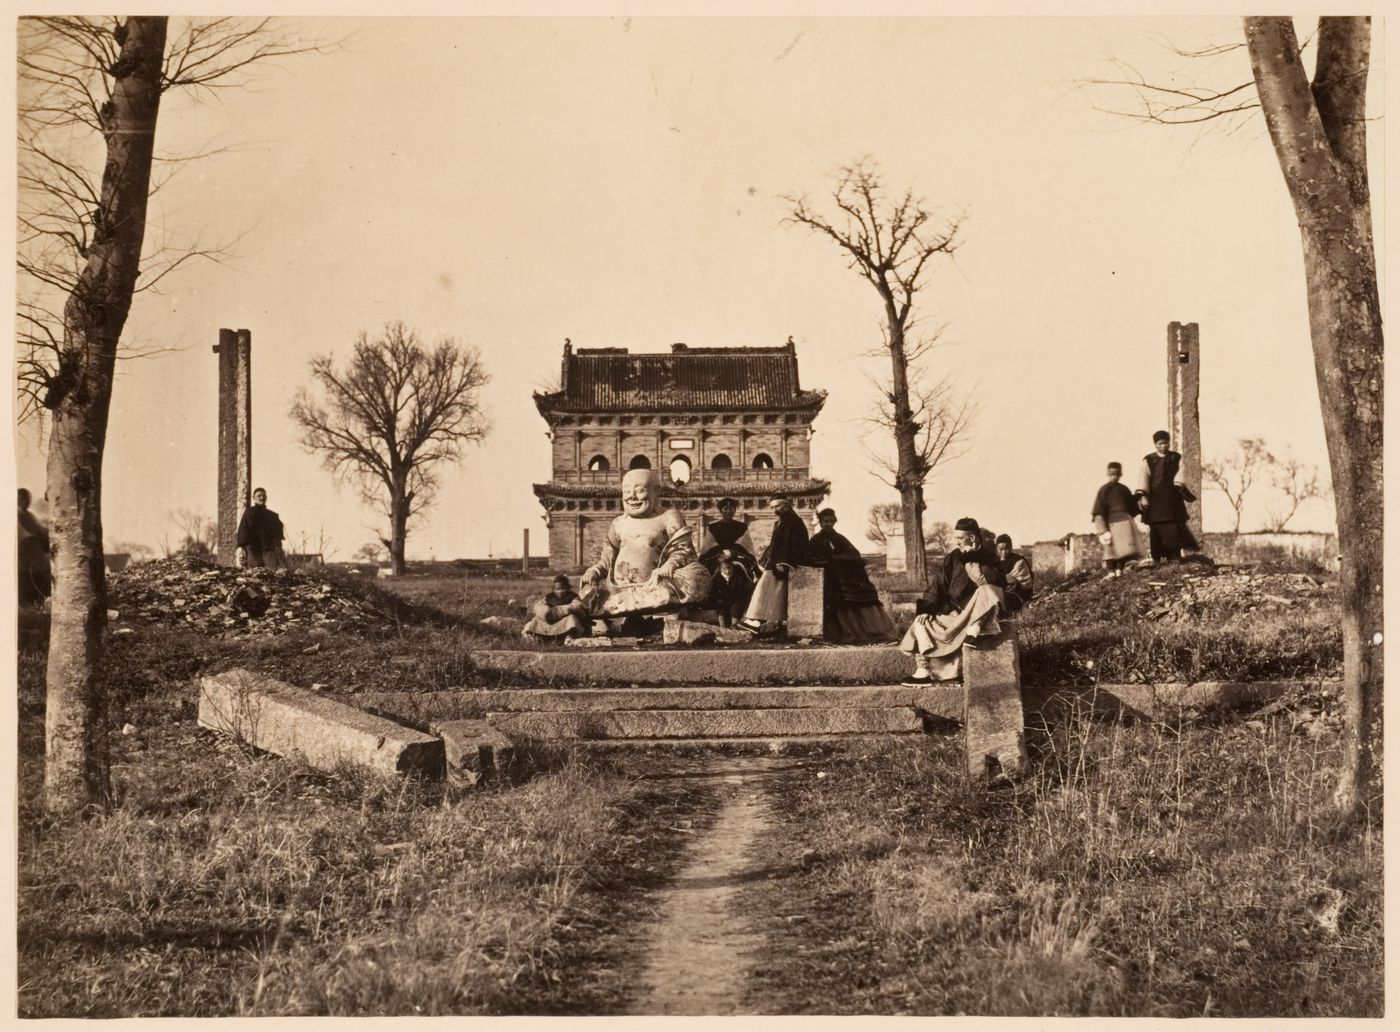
column 512, row 182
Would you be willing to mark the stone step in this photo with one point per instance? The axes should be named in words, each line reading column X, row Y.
column 696, row 723
column 759, row 743
column 936, row 700
column 736, row 665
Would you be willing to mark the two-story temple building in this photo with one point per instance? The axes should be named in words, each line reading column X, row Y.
column 713, row 423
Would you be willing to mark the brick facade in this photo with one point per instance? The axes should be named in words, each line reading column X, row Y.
column 730, row 421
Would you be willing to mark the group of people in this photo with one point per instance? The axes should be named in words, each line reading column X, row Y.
column 1160, row 499
column 746, row 590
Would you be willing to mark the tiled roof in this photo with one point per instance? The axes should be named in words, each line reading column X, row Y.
column 683, row 379
column 751, row 489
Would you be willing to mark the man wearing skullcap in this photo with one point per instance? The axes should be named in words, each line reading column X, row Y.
column 961, row 604
column 1113, row 512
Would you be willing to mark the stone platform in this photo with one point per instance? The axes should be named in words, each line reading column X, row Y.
column 823, row 665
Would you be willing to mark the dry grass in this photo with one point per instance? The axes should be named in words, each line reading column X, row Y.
column 1141, row 870
column 224, row 883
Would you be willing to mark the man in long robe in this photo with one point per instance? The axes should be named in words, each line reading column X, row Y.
column 1162, row 496
column 731, row 587
column 851, row 609
column 647, row 563
column 787, row 549
column 1020, row 580
column 960, row 605
column 1113, row 513
column 260, row 534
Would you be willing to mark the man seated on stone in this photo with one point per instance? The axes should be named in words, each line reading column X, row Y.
column 851, row 609
column 1020, row 581
column 787, row 549
column 964, row 595
column 560, row 615
column 260, row 535
column 730, row 590
column 731, row 536
column 647, row 562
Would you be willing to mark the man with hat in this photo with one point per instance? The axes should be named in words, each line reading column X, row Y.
column 1162, row 495
column 787, row 549
column 960, row 606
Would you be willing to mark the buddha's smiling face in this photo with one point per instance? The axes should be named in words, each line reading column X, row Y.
column 640, row 492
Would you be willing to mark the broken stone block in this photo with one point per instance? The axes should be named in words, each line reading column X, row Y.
column 289, row 721
column 993, row 719
column 804, row 619
column 473, row 746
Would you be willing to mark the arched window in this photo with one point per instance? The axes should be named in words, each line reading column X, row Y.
column 680, row 469
column 763, row 461
column 639, row 462
column 598, row 464
column 721, row 461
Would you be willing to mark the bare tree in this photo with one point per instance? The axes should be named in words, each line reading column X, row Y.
column 390, row 417
column 1318, row 130
column 1234, row 475
column 890, row 242
column 90, row 91
column 198, row 533
column 884, row 522
column 1296, row 482
column 369, row 552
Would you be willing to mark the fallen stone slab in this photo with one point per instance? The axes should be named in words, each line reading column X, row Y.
column 288, row 721
column 703, row 723
column 832, row 664
column 994, row 724
column 1163, row 701
column 944, row 701
column 677, row 631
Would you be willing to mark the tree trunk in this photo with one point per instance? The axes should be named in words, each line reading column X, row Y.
column 1318, row 132
column 909, row 476
column 75, row 767
column 398, row 528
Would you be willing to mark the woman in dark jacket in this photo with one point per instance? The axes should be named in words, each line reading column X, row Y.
column 851, row 609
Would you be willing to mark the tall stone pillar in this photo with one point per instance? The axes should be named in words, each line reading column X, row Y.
column 1184, row 410
column 235, row 436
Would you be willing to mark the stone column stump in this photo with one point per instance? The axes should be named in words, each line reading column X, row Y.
column 805, row 602
column 994, row 724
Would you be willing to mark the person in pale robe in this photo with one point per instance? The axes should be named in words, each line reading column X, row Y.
column 787, row 549
column 964, row 596
column 561, row 614
column 647, row 562
column 1113, row 514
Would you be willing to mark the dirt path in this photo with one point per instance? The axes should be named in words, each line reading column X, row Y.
column 698, row 953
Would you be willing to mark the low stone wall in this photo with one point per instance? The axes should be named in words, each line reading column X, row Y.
column 1076, row 552
column 1262, row 546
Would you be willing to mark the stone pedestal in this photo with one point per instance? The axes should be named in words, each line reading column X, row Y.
column 805, row 603
column 993, row 720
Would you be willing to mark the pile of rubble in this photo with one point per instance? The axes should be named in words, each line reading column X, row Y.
column 1206, row 596
column 225, row 602
column 1188, row 593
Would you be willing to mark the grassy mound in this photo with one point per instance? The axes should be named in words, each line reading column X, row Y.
column 1183, row 622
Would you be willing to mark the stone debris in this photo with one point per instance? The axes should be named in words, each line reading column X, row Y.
column 1190, row 593
column 226, row 602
